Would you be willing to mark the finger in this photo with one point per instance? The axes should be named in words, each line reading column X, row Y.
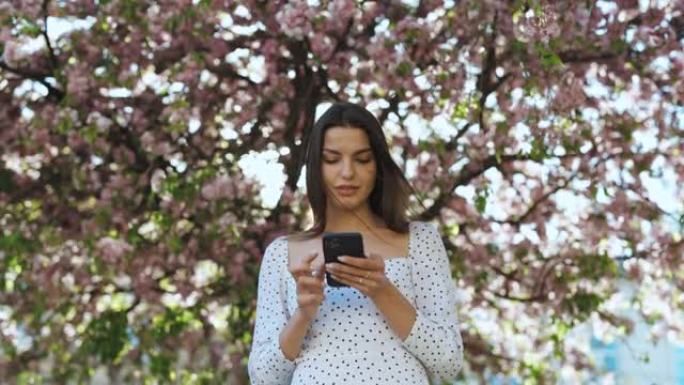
column 341, row 268
column 364, row 263
column 302, row 266
column 318, row 267
column 310, row 299
column 310, row 257
column 361, row 279
column 309, row 281
column 318, row 272
column 353, row 282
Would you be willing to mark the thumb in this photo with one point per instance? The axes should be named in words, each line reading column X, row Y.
column 379, row 261
column 318, row 265
column 310, row 257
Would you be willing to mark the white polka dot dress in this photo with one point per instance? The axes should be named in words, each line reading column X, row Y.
column 349, row 342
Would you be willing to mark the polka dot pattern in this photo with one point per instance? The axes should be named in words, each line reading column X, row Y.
column 350, row 342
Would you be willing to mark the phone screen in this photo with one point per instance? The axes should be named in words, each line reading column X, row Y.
column 337, row 244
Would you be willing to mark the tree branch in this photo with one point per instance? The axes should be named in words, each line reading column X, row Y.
column 51, row 52
column 54, row 93
column 469, row 173
column 516, row 221
column 393, row 105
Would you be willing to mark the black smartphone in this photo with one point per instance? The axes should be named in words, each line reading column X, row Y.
column 337, row 244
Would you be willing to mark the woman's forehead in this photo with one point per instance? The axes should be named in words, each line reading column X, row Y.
column 345, row 138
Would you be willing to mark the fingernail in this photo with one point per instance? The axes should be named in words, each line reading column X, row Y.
column 343, row 258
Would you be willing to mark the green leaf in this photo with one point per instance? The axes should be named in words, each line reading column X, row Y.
column 597, row 266
column 582, row 304
column 518, row 48
column 132, row 10
column 549, row 59
column 626, row 130
column 16, row 244
column 538, row 152
column 64, row 125
column 172, row 323
column 481, row 278
column 492, row 248
column 593, row 191
column 558, row 336
column 175, row 244
column 460, row 111
column 29, row 28
column 481, row 200
column 619, row 46
column 587, row 302
column 106, row 336
column 160, row 365
column 403, row 69
column 163, row 220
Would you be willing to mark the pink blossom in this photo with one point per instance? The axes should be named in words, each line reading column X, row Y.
column 237, row 267
column 79, row 81
column 538, row 27
column 124, row 155
column 370, row 10
column 101, row 122
column 340, row 13
column 6, row 8
column 41, row 136
column 12, row 55
column 295, row 19
column 112, row 249
column 147, row 139
column 220, row 187
column 162, row 148
column 251, row 246
column 30, row 8
column 75, row 141
column 145, row 287
column 322, row 46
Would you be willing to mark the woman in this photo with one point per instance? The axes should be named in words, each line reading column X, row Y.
column 396, row 321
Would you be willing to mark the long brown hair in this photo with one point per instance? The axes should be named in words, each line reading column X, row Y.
column 390, row 196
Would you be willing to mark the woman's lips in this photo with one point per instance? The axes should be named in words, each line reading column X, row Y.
column 347, row 191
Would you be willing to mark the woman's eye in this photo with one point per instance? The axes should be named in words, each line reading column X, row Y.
column 330, row 161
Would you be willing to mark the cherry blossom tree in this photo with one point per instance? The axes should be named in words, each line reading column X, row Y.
column 545, row 138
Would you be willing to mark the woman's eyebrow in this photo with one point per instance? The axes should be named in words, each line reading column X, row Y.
column 355, row 153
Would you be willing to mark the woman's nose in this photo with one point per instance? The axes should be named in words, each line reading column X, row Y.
column 348, row 169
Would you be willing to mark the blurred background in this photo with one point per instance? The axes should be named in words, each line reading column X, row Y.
column 150, row 151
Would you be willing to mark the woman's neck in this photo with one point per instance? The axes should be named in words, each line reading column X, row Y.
column 339, row 221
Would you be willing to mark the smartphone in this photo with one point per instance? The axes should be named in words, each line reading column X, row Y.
column 337, row 244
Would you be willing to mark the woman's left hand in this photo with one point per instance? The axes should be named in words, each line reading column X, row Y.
column 365, row 274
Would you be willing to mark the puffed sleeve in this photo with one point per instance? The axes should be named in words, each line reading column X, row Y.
column 435, row 338
column 267, row 364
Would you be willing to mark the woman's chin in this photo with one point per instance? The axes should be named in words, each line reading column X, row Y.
column 348, row 203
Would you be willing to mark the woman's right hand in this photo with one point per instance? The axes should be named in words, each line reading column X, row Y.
column 309, row 272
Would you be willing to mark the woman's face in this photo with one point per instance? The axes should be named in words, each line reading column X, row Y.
column 347, row 160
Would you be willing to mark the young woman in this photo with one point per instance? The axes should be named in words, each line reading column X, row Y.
column 396, row 321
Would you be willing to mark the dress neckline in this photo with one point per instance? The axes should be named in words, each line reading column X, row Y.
column 391, row 258
column 404, row 257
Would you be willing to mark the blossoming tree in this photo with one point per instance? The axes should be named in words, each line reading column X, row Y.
column 544, row 137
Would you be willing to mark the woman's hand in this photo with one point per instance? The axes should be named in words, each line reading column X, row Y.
column 309, row 272
column 365, row 274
